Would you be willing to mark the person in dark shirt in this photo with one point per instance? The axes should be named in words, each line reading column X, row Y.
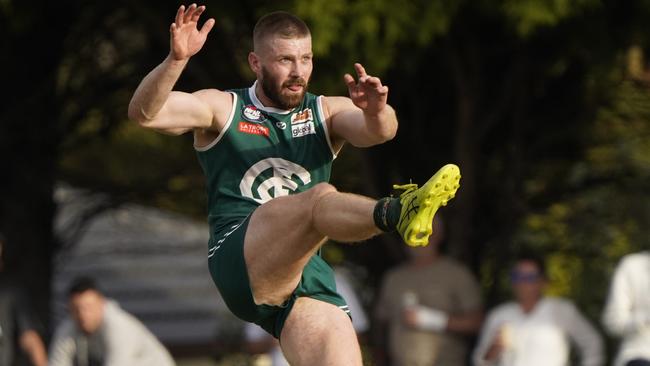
column 17, row 328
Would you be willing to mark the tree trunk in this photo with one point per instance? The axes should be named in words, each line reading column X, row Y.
column 26, row 203
column 465, row 153
column 29, row 140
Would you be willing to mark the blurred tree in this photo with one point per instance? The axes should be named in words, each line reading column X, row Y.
column 604, row 205
column 30, row 136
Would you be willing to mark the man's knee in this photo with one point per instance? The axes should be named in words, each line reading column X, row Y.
column 320, row 190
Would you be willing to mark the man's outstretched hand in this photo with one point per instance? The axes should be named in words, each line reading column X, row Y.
column 186, row 38
column 367, row 93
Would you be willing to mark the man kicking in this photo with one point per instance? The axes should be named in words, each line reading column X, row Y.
column 267, row 151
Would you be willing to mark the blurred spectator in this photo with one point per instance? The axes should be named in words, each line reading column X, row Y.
column 627, row 312
column 428, row 305
column 259, row 342
column 100, row 333
column 17, row 328
column 535, row 330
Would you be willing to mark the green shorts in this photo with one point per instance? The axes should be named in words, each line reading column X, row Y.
column 228, row 270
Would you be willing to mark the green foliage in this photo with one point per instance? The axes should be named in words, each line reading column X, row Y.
column 601, row 214
column 527, row 16
column 620, row 135
column 373, row 32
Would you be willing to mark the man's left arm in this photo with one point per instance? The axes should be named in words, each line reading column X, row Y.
column 365, row 118
column 32, row 344
column 29, row 340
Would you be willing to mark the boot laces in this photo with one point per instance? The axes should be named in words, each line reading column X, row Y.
column 407, row 188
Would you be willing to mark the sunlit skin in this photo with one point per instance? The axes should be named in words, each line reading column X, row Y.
column 87, row 309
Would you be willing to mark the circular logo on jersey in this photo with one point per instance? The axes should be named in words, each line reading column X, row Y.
column 281, row 125
column 271, row 178
column 253, row 114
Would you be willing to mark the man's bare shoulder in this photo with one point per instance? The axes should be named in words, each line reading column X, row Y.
column 336, row 104
column 215, row 98
column 220, row 103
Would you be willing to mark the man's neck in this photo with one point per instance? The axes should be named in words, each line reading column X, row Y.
column 528, row 306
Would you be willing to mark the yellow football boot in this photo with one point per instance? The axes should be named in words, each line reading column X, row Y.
column 419, row 205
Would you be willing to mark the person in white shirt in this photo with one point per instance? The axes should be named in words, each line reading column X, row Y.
column 627, row 311
column 100, row 333
column 535, row 330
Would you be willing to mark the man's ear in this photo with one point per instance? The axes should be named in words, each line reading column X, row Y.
column 254, row 62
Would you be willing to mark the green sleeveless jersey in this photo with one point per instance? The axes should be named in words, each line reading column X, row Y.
column 263, row 153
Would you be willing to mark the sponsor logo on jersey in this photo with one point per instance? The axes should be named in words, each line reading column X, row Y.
column 273, row 177
column 303, row 116
column 303, row 129
column 253, row 114
column 253, row 129
column 281, row 125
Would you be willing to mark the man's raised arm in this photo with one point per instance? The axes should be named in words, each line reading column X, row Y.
column 365, row 118
column 154, row 104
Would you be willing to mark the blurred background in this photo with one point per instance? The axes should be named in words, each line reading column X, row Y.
column 544, row 105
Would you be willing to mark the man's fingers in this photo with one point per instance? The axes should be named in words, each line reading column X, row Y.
column 349, row 81
column 382, row 92
column 197, row 13
column 370, row 81
column 187, row 17
column 361, row 71
column 374, row 82
column 190, row 14
column 179, row 15
column 207, row 26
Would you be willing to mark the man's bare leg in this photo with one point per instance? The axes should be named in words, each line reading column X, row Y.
column 285, row 232
column 317, row 333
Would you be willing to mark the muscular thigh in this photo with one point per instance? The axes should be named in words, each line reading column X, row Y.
column 279, row 241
